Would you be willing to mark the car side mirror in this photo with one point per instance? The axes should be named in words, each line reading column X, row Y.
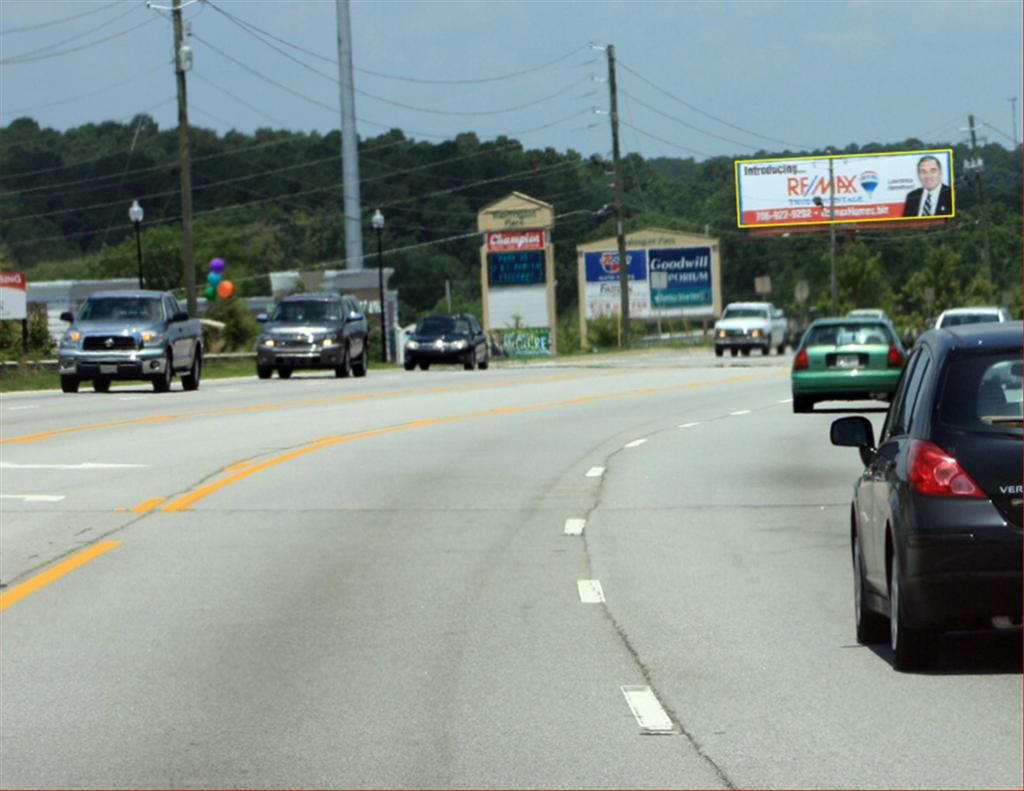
column 356, row 315
column 67, row 316
column 854, row 432
column 261, row 317
column 181, row 315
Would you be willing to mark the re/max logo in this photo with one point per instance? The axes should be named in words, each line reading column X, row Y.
column 820, row 186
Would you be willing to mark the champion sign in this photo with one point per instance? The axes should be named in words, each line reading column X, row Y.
column 12, row 295
column 499, row 241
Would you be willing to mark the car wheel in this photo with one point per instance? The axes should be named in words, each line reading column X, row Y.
column 408, row 365
column 745, row 352
column 912, row 649
column 162, row 383
column 871, row 627
column 424, row 366
column 484, row 363
column 470, row 362
column 284, row 373
column 69, row 384
column 362, row 365
column 264, row 371
column 190, row 381
column 782, row 348
column 766, row 350
column 719, row 351
column 733, row 352
column 344, row 370
column 101, row 385
column 802, row 404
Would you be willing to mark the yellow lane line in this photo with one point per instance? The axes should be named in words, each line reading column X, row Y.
column 147, row 505
column 43, row 435
column 244, row 470
column 239, row 466
column 18, row 592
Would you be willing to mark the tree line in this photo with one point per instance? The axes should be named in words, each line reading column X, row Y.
column 271, row 201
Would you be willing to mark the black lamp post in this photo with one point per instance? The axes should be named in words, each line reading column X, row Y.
column 135, row 214
column 378, row 226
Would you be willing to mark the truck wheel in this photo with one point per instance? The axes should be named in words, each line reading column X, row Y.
column 362, row 365
column 190, row 381
column 69, row 384
column 745, row 352
column 733, row 351
column 344, row 370
column 782, row 348
column 766, row 350
column 162, row 383
column 264, row 371
column 284, row 373
column 719, row 351
column 101, row 385
column 409, row 365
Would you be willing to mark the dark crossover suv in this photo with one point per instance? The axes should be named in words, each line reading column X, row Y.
column 319, row 330
column 936, row 517
column 455, row 339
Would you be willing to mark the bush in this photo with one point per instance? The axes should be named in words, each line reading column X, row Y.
column 240, row 328
column 40, row 344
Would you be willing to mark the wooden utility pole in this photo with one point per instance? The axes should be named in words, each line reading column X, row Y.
column 182, row 60
column 975, row 165
column 620, row 233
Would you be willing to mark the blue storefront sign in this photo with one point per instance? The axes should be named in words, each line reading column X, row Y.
column 680, row 277
column 520, row 268
column 603, row 266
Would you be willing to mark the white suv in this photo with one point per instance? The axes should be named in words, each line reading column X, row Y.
column 979, row 315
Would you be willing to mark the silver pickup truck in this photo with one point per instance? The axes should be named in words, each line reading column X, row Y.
column 751, row 325
column 130, row 335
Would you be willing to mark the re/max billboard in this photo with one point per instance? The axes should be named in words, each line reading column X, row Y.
column 842, row 188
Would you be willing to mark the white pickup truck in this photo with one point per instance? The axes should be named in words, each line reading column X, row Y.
column 751, row 325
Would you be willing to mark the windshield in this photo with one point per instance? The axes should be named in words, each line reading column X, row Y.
column 443, row 325
column 955, row 319
column 120, row 308
column 745, row 313
column 306, row 312
column 849, row 335
column 982, row 391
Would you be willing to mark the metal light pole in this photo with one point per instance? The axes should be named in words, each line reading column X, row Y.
column 135, row 214
column 378, row 226
column 832, row 234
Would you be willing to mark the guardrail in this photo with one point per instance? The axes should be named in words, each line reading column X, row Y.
column 7, row 365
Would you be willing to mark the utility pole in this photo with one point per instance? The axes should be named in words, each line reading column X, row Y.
column 182, row 61
column 620, row 233
column 832, row 235
column 975, row 165
column 349, row 144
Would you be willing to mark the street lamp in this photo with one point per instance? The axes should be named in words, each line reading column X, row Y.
column 135, row 214
column 378, row 225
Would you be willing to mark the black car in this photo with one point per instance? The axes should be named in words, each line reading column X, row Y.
column 318, row 331
column 936, row 515
column 456, row 338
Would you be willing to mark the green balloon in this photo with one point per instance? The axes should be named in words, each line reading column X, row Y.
column 210, row 293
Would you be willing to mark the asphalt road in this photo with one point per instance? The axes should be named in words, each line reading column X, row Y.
column 629, row 573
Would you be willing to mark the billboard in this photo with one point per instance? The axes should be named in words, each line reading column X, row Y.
column 13, row 291
column 680, row 277
column 663, row 282
column 903, row 185
column 523, row 268
column 603, row 284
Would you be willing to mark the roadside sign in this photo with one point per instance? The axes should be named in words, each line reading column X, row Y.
column 802, row 291
column 13, row 289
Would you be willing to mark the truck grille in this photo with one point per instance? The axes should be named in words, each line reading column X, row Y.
column 108, row 343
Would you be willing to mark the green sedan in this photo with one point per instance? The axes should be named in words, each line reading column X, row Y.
column 846, row 359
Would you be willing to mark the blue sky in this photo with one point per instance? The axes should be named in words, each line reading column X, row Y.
column 747, row 75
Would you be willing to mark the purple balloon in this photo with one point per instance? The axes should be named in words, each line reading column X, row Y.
column 216, row 264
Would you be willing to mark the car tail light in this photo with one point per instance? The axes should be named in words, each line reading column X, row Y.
column 895, row 358
column 935, row 472
column 800, row 362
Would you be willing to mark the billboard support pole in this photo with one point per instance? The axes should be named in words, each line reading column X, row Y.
column 832, row 235
column 619, row 226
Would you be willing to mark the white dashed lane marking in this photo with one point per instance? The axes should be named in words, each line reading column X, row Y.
column 635, row 443
column 590, row 591
column 34, row 498
column 646, row 707
column 595, row 472
column 19, row 408
column 10, row 465
column 740, row 412
column 786, row 401
column 574, row 527
column 689, row 425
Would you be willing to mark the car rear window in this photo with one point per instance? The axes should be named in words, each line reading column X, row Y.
column 968, row 318
column 849, row 335
column 313, row 310
column 982, row 392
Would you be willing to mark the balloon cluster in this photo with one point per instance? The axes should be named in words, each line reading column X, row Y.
column 216, row 284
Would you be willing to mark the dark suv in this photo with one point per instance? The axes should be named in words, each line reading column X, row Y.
column 456, row 338
column 320, row 331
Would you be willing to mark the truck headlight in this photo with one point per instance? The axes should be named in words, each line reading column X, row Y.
column 153, row 338
column 328, row 342
column 70, row 339
column 459, row 344
column 268, row 342
column 412, row 345
column 755, row 333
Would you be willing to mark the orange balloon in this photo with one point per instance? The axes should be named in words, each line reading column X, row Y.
column 225, row 288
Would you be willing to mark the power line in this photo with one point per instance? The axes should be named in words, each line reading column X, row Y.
column 75, row 37
column 681, row 122
column 666, row 142
column 51, row 23
column 998, row 131
column 78, row 97
column 18, row 60
column 708, row 115
column 235, row 98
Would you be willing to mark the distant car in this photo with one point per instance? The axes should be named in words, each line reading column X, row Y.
column 846, row 359
column 313, row 331
column 935, row 521
column 751, row 325
column 868, row 313
column 981, row 315
column 443, row 338
column 132, row 334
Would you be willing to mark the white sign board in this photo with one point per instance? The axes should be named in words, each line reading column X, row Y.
column 13, row 304
column 904, row 185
